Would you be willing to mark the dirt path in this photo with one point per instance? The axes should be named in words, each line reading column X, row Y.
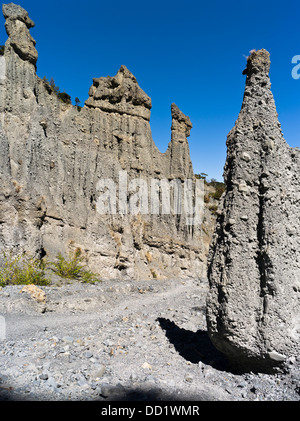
column 118, row 340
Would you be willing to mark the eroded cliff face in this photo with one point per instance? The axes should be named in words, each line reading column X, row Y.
column 254, row 261
column 53, row 157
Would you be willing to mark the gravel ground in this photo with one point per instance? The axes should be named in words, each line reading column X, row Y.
column 128, row 341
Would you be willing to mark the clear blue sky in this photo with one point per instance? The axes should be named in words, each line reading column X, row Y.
column 189, row 52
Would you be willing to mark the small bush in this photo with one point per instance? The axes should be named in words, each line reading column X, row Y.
column 73, row 269
column 2, row 49
column 22, row 270
column 64, row 97
column 201, row 176
column 88, row 277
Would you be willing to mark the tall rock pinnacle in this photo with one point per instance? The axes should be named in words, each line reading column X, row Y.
column 17, row 26
column 254, row 261
column 180, row 161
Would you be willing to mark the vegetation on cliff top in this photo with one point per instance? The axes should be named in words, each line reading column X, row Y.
column 52, row 88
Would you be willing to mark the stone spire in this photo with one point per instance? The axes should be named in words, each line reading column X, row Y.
column 17, row 26
column 254, row 270
column 181, row 125
column 180, row 161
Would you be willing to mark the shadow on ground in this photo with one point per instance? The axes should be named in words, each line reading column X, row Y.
column 194, row 346
column 119, row 393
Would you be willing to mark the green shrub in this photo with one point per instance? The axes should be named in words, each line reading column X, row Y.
column 88, row 277
column 64, row 97
column 2, row 49
column 201, row 176
column 21, row 270
column 73, row 269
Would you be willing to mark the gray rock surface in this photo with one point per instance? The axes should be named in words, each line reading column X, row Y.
column 254, row 262
column 120, row 94
column 53, row 156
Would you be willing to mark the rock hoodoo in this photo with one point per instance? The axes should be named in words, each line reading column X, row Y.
column 254, row 260
column 17, row 26
column 53, row 156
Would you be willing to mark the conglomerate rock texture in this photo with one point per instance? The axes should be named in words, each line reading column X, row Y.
column 53, row 156
column 254, row 260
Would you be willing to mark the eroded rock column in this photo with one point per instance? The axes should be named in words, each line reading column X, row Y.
column 254, row 263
